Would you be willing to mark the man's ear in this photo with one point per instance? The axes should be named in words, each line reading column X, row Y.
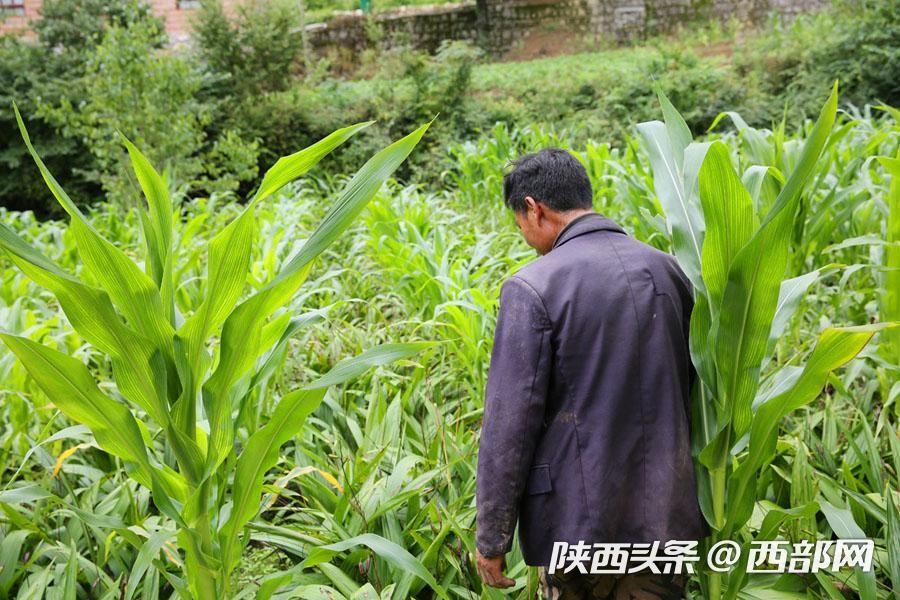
column 532, row 205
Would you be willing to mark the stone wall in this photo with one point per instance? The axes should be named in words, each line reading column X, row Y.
column 496, row 24
column 499, row 23
column 422, row 27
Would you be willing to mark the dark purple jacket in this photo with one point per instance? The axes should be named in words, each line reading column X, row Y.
column 586, row 417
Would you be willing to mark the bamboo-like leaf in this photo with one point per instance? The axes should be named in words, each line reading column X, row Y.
column 260, row 455
column 351, row 368
column 149, row 552
column 892, row 541
column 386, row 549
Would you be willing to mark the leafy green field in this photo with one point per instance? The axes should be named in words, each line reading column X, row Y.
column 118, row 485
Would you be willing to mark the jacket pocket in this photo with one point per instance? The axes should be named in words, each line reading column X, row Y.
column 539, row 480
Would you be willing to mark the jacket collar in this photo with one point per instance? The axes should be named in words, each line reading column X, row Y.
column 585, row 224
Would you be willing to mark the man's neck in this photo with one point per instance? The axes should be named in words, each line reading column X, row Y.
column 563, row 220
column 570, row 215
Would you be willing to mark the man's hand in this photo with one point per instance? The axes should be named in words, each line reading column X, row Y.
column 490, row 569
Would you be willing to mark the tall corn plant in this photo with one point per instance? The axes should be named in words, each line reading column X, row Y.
column 180, row 379
column 736, row 254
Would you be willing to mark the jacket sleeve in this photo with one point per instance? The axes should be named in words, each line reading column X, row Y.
column 513, row 413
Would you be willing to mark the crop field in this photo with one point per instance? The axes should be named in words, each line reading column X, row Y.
column 248, row 296
column 281, row 397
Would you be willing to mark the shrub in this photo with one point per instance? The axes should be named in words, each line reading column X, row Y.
column 858, row 43
column 45, row 72
column 257, row 49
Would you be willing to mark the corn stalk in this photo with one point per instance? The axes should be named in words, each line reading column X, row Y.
column 180, row 379
column 737, row 258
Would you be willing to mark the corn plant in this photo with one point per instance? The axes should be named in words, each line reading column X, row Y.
column 732, row 235
column 180, row 379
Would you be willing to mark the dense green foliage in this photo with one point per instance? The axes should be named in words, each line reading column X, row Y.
column 383, row 471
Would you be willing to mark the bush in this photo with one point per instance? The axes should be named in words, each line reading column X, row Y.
column 44, row 72
column 24, row 76
column 257, row 50
column 148, row 96
column 857, row 43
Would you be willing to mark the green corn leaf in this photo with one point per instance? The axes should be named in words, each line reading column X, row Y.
column 353, row 198
column 890, row 299
column 790, row 295
column 229, row 265
column 682, row 211
column 92, row 315
column 386, row 549
column 71, row 387
column 130, row 289
column 676, row 129
column 289, row 168
column 730, row 221
column 764, row 185
column 157, row 220
column 759, row 150
column 754, row 279
column 834, row 348
column 241, row 335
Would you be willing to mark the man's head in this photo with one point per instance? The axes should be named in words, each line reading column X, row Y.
column 546, row 190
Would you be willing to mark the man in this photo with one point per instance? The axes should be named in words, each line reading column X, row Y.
column 585, row 434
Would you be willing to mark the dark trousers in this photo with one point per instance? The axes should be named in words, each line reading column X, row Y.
column 638, row 586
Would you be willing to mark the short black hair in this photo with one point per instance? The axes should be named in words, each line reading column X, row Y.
column 551, row 176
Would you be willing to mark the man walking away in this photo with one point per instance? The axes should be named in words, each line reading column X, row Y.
column 585, row 434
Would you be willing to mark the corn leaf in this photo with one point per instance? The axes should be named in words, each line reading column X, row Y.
column 157, row 220
column 71, row 387
column 130, row 289
column 92, row 315
column 289, row 168
column 667, row 157
column 241, row 335
column 754, row 279
column 834, row 348
column 730, row 221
